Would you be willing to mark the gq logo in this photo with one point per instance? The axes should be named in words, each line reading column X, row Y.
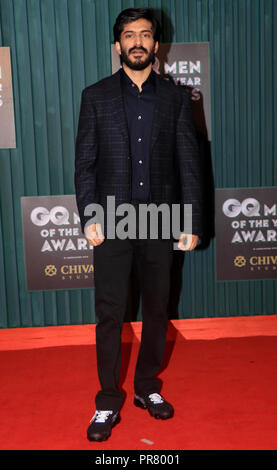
column 249, row 207
column 58, row 215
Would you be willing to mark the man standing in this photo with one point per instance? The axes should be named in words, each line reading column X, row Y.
column 136, row 142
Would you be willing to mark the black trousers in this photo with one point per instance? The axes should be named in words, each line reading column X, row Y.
column 113, row 262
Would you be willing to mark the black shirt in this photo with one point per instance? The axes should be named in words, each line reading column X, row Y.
column 139, row 108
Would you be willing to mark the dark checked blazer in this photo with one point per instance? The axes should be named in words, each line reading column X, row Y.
column 103, row 162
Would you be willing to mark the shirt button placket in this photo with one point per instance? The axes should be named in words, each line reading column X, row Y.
column 139, row 118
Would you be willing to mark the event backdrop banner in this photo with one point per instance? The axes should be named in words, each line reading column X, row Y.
column 188, row 65
column 57, row 255
column 7, row 129
column 246, row 233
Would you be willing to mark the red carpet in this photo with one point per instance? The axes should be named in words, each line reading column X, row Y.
column 224, row 389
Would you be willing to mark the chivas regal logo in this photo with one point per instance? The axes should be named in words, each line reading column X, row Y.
column 77, row 269
column 257, row 262
column 68, row 271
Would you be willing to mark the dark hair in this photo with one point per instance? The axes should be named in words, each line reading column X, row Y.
column 133, row 14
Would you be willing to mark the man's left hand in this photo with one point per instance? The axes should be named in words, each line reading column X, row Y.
column 187, row 242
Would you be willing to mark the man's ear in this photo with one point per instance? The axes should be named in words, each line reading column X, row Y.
column 117, row 47
column 156, row 47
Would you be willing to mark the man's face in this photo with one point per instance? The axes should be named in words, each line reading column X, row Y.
column 137, row 46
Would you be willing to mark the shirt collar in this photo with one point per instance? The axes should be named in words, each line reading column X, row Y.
column 128, row 82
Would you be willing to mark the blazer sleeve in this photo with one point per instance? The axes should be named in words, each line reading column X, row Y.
column 86, row 151
column 188, row 157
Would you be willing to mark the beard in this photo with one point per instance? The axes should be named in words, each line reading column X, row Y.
column 137, row 64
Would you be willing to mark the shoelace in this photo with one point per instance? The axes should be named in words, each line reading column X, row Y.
column 156, row 398
column 101, row 416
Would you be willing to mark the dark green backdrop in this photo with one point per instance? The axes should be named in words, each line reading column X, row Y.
column 60, row 46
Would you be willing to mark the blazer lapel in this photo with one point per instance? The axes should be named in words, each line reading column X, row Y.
column 117, row 105
column 160, row 112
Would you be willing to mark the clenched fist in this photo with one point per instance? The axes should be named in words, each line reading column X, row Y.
column 94, row 234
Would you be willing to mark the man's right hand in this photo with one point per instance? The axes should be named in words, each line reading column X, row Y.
column 94, row 234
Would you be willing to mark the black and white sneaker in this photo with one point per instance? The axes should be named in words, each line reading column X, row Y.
column 101, row 425
column 155, row 404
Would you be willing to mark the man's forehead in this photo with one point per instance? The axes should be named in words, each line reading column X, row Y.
column 138, row 25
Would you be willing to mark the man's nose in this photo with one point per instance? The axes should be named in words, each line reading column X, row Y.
column 138, row 40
